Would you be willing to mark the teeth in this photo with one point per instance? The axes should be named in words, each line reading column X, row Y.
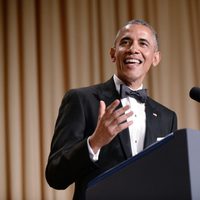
column 132, row 61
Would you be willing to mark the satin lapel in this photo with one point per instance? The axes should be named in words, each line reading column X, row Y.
column 152, row 124
column 108, row 95
column 125, row 142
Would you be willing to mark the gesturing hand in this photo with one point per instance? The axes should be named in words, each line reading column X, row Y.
column 111, row 121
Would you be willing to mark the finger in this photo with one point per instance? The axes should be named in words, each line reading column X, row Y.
column 109, row 111
column 121, row 111
column 112, row 113
column 123, row 126
column 113, row 106
column 102, row 108
column 121, row 119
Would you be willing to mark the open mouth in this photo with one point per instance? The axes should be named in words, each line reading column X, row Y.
column 132, row 61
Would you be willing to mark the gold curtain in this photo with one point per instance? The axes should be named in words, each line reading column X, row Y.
column 49, row 46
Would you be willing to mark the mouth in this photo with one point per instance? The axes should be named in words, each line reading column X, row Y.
column 132, row 61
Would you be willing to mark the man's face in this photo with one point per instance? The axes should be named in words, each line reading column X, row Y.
column 134, row 52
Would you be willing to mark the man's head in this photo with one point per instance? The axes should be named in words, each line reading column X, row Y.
column 135, row 51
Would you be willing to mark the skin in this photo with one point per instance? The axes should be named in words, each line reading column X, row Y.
column 134, row 52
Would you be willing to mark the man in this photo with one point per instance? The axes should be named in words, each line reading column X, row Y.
column 100, row 126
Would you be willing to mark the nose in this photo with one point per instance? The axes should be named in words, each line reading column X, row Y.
column 134, row 49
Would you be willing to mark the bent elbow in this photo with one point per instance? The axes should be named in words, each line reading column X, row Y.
column 56, row 179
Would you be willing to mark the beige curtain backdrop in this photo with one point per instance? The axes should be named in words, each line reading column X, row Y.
column 49, row 46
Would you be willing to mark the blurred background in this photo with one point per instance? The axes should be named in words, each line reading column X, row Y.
column 49, row 46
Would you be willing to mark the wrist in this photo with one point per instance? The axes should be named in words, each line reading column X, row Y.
column 95, row 148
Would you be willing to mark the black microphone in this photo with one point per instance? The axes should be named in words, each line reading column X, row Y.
column 195, row 93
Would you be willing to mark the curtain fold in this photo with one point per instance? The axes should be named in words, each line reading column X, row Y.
column 48, row 47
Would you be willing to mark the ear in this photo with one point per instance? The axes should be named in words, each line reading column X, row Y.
column 156, row 58
column 112, row 54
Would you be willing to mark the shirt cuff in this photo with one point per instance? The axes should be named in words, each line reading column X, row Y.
column 93, row 156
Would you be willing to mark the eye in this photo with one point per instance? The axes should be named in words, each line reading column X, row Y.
column 125, row 42
column 144, row 43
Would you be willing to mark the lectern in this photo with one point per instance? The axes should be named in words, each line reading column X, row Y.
column 166, row 170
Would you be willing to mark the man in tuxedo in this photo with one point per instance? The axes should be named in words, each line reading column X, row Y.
column 100, row 126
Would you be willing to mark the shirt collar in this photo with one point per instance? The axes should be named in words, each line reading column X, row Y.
column 118, row 82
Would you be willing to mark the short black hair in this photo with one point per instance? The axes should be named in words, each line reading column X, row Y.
column 144, row 23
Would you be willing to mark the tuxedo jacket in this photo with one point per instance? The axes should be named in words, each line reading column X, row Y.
column 69, row 160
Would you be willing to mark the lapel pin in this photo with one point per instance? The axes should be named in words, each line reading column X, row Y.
column 154, row 114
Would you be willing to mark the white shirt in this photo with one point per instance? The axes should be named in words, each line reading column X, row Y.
column 137, row 129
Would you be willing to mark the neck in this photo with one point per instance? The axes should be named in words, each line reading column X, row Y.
column 134, row 85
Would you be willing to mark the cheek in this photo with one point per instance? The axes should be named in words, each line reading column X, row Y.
column 149, row 55
column 119, row 58
column 149, row 59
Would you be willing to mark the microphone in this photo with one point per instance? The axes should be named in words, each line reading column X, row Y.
column 195, row 93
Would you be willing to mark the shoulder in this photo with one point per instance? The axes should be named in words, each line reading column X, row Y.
column 83, row 91
column 93, row 90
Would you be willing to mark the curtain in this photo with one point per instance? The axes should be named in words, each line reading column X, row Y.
column 50, row 46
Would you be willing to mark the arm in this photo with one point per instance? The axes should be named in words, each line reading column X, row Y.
column 69, row 157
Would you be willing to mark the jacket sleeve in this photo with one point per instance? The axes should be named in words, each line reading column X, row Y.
column 69, row 157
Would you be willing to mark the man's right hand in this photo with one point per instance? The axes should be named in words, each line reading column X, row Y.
column 111, row 121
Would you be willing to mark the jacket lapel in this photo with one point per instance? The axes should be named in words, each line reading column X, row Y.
column 108, row 94
column 125, row 142
column 152, row 124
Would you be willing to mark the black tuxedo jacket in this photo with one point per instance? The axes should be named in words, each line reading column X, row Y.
column 69, row 160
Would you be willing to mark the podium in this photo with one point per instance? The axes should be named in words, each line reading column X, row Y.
column 167, row 170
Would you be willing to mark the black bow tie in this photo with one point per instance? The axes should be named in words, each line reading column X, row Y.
column 139, row 95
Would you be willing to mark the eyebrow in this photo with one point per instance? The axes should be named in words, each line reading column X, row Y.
column 140, row 39
column 125, row 38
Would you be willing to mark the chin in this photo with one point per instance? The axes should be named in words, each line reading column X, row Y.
column 127, row 79
column 131, row 77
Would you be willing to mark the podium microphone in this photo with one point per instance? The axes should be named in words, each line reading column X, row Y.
column 195, row 93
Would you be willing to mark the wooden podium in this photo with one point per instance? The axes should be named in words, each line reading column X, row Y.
column 167, row 170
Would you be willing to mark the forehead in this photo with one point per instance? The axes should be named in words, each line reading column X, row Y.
column 135, row 30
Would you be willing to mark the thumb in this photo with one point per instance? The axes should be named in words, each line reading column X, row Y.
column 102, row 108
